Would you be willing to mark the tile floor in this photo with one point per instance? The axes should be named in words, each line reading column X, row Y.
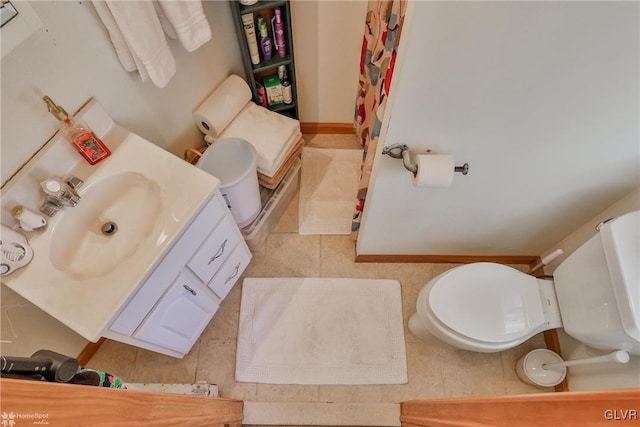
column 435, row 371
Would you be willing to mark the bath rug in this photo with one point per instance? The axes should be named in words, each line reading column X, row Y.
column 321, row 331
column 328, row 189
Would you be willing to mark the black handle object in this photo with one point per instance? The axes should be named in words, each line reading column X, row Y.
column 51, row 365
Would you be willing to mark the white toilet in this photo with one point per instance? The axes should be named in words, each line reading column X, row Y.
column 595, row 297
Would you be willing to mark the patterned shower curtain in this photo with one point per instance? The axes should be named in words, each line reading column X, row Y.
column 379, row 50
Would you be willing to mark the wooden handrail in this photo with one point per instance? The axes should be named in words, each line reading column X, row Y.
column 67, row 404
column 582, row 409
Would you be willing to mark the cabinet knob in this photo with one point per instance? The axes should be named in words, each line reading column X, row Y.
column 188, row 288
column 219, row 253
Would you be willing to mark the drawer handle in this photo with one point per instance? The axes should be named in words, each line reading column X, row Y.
column 190, row 289
column 219, row 253
column 235, row 273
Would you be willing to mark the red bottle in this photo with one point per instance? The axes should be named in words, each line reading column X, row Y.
column 79, row 134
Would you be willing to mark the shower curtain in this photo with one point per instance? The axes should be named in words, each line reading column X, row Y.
column 379, row 48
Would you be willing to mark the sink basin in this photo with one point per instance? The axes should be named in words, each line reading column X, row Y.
column 79, row 275
column 113, row 218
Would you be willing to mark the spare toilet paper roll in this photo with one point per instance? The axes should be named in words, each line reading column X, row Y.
column 434, row 170
column 222, row 106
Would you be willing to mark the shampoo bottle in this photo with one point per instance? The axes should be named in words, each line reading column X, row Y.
column 265, row 41
column 277, row 26
column 250, row 32
column 79, row 134
column 286, row 88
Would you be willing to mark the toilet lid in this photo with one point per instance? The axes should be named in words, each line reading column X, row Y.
column 487, row 302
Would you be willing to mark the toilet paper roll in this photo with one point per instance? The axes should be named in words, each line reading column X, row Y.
column 222, row 106
column 434, row 170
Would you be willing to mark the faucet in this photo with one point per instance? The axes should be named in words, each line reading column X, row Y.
column 59, row 193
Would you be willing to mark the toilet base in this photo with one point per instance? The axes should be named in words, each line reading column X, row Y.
column 416, row 327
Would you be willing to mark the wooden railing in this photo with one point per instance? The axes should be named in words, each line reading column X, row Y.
column 53, row 404
column 580, row 409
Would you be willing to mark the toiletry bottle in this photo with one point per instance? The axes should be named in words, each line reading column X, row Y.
column 262, row 95
column 250, row 32
column 265, row 41
column 277, row 27
column 80, row 135
column 286, row 88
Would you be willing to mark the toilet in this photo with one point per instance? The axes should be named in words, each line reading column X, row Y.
column 595, row 296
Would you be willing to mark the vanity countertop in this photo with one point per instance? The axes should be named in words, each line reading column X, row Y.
column 88, row 302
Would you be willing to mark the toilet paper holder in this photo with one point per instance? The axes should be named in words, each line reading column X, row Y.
column 401, row 151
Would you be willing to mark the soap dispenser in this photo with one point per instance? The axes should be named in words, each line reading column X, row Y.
column 79, row 134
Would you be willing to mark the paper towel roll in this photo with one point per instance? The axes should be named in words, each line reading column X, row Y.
column 222, row 106
column 434, row 170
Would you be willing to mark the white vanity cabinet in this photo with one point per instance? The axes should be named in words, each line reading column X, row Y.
column 172, row 307
column 180, row 316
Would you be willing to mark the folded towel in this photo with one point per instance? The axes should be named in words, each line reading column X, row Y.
column 289, row 146
column 271, row 134
column 188, row 21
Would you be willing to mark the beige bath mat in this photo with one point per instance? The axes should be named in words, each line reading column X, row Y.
column 321, row 331
column 328, row 190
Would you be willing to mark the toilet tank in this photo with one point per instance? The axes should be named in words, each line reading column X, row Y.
column 598, row 287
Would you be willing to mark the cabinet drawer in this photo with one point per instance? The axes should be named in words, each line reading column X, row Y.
column 230, row 271
column 180, row 316
column 215, row 250
column 168, row 268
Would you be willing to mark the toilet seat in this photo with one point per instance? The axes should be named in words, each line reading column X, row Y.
column 485, row 303
column 446, row 334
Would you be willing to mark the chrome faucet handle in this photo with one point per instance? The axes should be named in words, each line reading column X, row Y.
column 59, row 193
column 50, row 206
column 74, row 182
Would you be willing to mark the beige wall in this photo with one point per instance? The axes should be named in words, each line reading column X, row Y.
column 328, row 39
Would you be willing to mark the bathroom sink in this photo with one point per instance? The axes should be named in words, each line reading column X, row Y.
column 115, row 215
column 142, row 197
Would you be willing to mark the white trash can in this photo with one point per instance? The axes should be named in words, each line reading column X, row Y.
column 235, row 163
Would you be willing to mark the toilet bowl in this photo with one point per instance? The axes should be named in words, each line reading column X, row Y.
column 488, row 307
column 485, row 307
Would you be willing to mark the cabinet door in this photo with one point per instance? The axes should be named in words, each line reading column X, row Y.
column 180, row 316
column 215, row 250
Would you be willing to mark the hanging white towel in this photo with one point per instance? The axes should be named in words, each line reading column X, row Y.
column 135, row 26
column 117, row 39
column 138, row 34
column 188, row 21
column 164, row 21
